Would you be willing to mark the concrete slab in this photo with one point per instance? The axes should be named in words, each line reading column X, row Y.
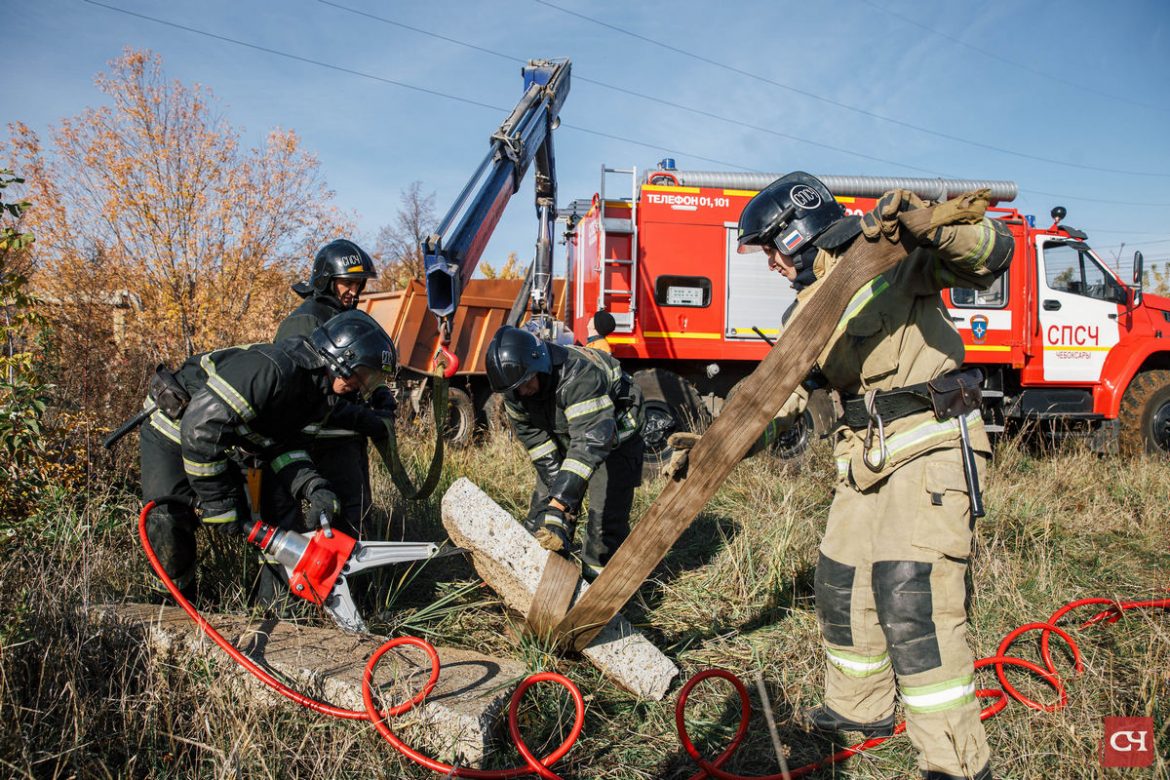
column 457, row 723
column 511, row 562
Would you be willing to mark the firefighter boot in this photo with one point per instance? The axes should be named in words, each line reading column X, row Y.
column 982, row 774
column 827, row 721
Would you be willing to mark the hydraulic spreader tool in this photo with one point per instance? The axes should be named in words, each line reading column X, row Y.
column 319, row 564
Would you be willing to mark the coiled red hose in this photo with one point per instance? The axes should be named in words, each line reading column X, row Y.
column 533, row 764
column 1000, row 661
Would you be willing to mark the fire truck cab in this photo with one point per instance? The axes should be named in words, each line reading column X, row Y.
column 1064, row 342
column 1067, row 344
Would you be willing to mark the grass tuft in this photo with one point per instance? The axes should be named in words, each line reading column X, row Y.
column 734, row 593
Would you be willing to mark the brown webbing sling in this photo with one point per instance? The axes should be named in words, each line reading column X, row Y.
column 723, row 445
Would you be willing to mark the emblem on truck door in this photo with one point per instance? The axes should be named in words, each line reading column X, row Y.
column 979, row 328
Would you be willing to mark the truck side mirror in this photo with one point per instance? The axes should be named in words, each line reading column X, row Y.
column 1138, row 267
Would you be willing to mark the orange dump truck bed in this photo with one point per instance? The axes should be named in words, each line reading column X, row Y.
column 484, row 305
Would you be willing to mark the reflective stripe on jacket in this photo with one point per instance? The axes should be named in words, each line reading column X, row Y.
column 584, row 409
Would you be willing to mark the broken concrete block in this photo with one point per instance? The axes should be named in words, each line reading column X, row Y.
column 454, row 724
column 511, row 562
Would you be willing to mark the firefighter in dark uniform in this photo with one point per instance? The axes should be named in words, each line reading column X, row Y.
column 580, row 417
column 253, row 401
column 890, row 577
column 340, row 271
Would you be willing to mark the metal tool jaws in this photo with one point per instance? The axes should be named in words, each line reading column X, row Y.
column 371, row 555
column 341, row 607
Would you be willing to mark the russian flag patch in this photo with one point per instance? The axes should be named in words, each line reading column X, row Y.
column 792, row 240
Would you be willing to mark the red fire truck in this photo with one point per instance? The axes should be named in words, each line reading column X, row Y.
column 1064, row 341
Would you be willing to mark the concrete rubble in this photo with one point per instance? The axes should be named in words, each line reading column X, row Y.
column 511, row 562
column 456, row 723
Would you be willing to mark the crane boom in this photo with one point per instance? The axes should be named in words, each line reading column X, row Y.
column 453, row 250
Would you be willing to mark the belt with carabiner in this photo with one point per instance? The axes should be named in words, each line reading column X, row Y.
column 954, row 394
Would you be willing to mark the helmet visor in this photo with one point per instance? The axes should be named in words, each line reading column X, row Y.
column 370, row 379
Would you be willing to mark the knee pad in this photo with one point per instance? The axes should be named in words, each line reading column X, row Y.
column 833, row 585
column 901, row 592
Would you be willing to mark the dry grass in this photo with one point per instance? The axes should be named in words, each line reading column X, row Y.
column 735, row 593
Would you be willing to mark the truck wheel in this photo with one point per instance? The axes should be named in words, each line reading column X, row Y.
column 1145, row 414
column 460, row 418
column 495, row 418
column 671, row 405
column 818, row 418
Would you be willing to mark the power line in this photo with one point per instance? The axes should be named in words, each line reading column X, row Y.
column 1094, row 199
column 404, row 85
column 846, row 106
column 1001, row 58
column 640, row 95
column 578, row 77
column 296, row 57
column 480, row 104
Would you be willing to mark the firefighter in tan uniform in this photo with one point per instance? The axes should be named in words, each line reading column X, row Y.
column 890, row 577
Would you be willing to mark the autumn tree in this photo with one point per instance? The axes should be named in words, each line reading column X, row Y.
column 509, row 270
column 159, row 235
column 398, row 245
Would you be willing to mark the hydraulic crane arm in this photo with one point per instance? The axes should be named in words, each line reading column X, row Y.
column 452, row 252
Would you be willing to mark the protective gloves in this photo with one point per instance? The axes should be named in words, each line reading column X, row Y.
column 375, row 424
column 681, row 443
column 966, row 209
column 323, row 507
column 383, row 403
column 556, row 530
column 883, row 220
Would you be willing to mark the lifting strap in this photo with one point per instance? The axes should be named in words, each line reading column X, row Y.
column 734, row 431
column 388, row 448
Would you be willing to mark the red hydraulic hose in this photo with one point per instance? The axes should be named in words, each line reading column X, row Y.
column 534, row 764
column 1000, row 661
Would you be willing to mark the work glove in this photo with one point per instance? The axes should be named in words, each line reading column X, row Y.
column 883, row 220
column 966, row 209
column 383, row 403
column 682, row 443
column 323, row 507
column 556, row 530
column 375, row 424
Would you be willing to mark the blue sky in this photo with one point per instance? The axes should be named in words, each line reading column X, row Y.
column 1069, row 99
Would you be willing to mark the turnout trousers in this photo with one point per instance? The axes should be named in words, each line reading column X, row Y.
column 891, row 601
column 345, row 465
column 172, row 528
column 610, row 497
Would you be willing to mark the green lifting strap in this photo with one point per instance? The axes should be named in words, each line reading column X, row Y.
column 388, row 449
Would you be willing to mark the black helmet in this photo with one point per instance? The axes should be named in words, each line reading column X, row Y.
column 514, row 356
column 340, row 259
column 788, row 214
column 354, row 343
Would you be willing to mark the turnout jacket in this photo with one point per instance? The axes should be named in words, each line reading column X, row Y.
column 584, row 409
column 315, row 311
column 254, row 400
column 896, row 332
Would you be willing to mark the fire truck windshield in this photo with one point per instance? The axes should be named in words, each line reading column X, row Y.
column 1070, row 267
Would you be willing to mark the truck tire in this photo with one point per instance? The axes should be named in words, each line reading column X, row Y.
column 672, row 405
column 1145, row 414
column 818, row 419
column 460, row 426
column 495, row 418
